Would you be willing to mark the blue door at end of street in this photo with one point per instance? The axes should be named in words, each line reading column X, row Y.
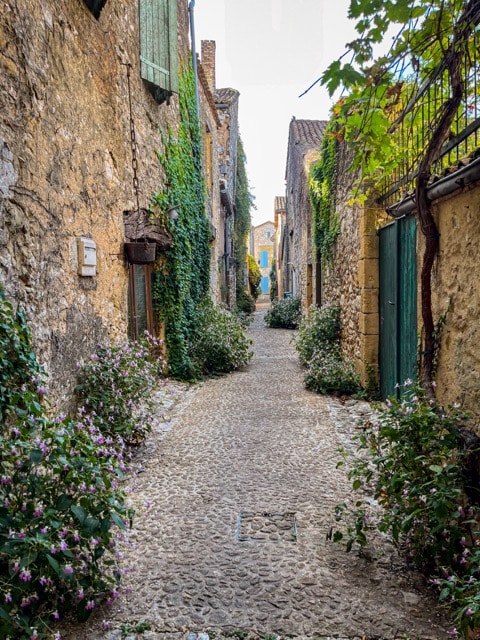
column 264, row 284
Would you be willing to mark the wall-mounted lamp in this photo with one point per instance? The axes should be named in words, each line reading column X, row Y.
column 173, row 213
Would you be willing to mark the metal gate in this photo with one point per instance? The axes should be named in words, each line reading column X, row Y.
column 398, row 304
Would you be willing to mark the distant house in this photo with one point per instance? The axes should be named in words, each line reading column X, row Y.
column 300, row 268
column 263, row 249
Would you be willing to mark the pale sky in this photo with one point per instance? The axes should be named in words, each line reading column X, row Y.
column 271, row 51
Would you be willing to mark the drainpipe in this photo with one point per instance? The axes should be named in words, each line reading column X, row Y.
column 191, row 8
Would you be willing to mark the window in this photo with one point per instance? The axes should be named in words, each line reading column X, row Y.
column 140, row 314
column 95, row 6
column 158, row 47
column 263, row 259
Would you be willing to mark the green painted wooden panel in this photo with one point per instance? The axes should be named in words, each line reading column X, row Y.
column 407, row 302
column 158, row 43
column 398, row 304
column 388, row 309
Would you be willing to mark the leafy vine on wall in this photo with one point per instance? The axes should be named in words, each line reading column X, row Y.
column 182, row 282
column 322, row 186
column 243, row 204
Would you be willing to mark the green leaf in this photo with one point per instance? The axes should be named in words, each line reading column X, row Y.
column 79, row 512
column 4, row 615
column 36, row 456
column 54, row 564
column 436, row 468
column 118, row 521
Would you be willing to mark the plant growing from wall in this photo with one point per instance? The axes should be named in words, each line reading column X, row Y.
column 182, row 282
column 242, row 221
column 322, row 187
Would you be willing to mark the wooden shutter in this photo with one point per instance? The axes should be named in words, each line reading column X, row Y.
column 158, row 46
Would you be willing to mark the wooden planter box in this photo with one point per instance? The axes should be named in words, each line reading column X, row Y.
column 140, row 252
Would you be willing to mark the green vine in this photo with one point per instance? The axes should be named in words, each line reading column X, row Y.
column 180, row 285
column 243, row 221
column 254, row 276
column 322, row 197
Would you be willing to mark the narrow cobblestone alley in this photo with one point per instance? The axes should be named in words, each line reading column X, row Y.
column 234, row 504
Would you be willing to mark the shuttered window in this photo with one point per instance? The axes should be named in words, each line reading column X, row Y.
column 158, row 47
column 263, row 259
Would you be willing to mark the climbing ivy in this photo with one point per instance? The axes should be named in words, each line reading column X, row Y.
column 254, row 276
column 243, row 221
column 181, row 283
column 322, row 186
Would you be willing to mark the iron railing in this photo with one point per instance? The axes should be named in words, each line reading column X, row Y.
column 414, row 133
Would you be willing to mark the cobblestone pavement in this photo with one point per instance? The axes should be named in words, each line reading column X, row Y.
column 235, row 500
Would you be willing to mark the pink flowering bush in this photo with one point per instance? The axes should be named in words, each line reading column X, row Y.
column 115, row 387
column 413, row 458
column 60, row 497
column 59, row 502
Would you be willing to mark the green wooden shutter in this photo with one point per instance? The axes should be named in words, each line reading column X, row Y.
column 158, row 46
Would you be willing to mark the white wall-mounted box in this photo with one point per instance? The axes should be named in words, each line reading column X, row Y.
column 87, row 257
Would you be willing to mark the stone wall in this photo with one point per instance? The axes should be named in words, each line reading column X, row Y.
column 210, row 126
column 351, row 281
column 66, row 168
column 304, row 142
column 456, row 296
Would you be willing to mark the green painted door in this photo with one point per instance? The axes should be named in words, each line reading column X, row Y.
column 397, row 304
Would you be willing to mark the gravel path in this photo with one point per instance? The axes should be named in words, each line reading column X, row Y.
column 235, row 501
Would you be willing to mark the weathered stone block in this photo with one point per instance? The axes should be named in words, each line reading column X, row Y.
column 369, row 301
column 369, row 246
column 368, row 323
column 368, row 273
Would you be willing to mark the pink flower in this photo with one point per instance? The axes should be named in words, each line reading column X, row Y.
column 25, row 575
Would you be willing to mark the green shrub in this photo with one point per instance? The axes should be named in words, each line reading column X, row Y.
column 284, row 314
column 329, row 373
column 245, row 303
column 318, row 346
column 115, row 385
column 220, row 343
column 254, row 276
column 321, row 326
column 412, row 458
column 59, row 499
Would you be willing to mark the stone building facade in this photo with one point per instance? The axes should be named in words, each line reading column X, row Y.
column 73, row 91
column 300, row 267
column 354, row 281
column 280, row 219
column 226, row 103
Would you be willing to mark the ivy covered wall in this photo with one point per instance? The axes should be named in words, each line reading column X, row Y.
column 182, row 282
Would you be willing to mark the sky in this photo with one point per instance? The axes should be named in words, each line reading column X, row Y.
column 271, row 51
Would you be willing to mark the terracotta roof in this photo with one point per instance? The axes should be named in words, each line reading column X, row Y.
column 269, row 222
column 279, row 203
column 226, row 96
column 309, row 131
